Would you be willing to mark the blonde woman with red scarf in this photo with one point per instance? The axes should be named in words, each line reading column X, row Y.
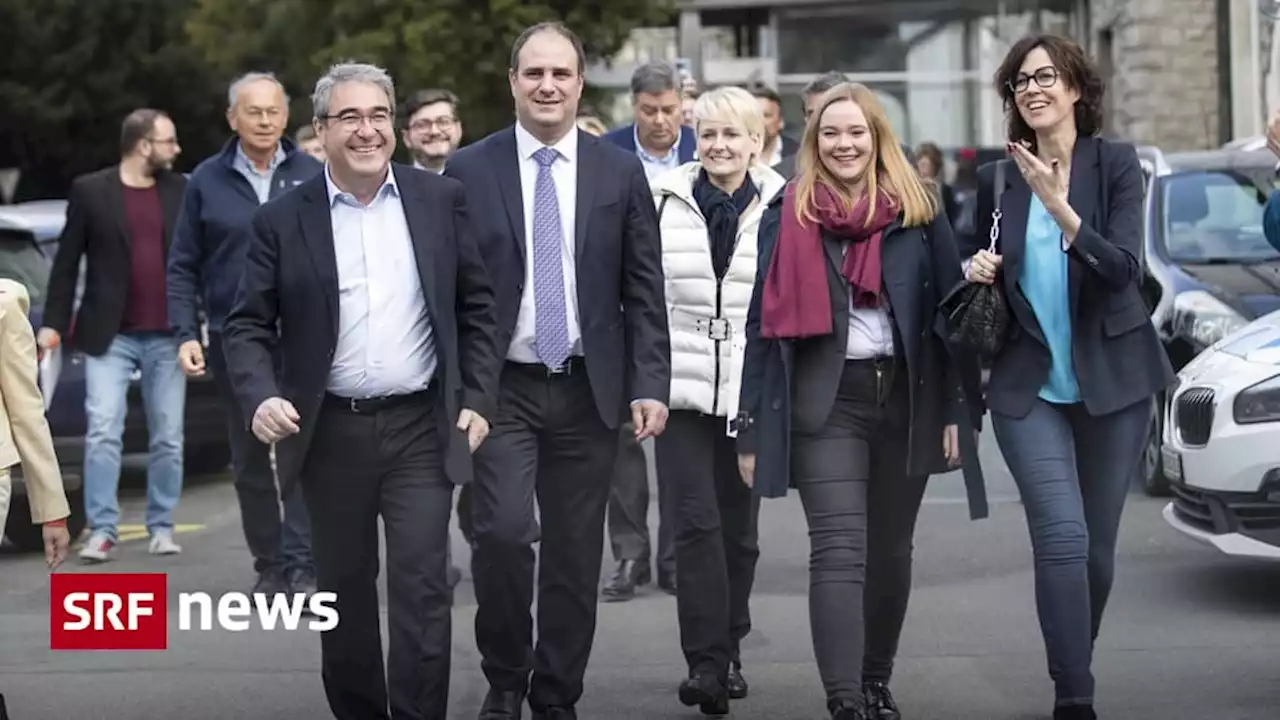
column 849, row 393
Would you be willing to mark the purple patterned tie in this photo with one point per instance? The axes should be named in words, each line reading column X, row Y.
column 548, row 275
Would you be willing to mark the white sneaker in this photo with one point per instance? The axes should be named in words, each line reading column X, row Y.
column 162, row 543
column 97, row 548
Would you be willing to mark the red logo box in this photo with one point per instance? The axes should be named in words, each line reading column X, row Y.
column 108, row 611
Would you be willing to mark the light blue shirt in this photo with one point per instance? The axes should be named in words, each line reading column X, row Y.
column 655, row 166
column 385, row 341
column 261, row 181
column 1045, row 284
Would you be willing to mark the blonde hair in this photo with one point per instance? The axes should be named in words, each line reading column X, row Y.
column 592, row 125
column 888, row 172
column 733, row 106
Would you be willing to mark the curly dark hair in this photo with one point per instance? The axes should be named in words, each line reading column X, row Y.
column 1074, row 68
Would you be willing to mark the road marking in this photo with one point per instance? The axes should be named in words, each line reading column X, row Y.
column 139, row 532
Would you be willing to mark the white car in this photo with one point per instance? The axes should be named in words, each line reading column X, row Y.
column 1221, row 445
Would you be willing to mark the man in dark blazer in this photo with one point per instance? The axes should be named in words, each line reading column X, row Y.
column 569, row 234
column 388, row 374
column 120, row 221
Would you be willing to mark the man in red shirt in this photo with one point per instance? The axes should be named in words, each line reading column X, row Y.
column 120, row 220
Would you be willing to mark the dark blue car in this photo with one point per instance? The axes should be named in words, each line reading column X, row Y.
column 1208, row 268
column 28, row 241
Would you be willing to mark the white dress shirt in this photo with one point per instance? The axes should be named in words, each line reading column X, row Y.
column 385, row 340
column 565, row 171
column 870, row 331
column 655, row 166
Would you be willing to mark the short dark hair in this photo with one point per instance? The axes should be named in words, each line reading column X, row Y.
column 1074, row 68
column 765, row 92
column 423, row 98
column 558, row 28
column 654, row 78
column 824, row 82
column 137, row 126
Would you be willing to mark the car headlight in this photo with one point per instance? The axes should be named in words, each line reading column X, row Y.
column 1258, row 403
column 1203, row 318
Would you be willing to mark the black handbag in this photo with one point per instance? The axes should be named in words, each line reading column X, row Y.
column 977, row 315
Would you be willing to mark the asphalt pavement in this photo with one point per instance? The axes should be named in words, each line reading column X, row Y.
column 1189, row 634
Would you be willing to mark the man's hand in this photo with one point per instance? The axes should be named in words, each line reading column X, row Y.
column 747, row 467
column 274, row 420
column 951, row 445
column 1273, row 134
column 57, row 541
column 46, row 339
column 649, row 417
column 474, row 425
column 191, row 358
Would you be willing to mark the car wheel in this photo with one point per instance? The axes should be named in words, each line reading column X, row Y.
column 207, row 459
column 27, row 536
column 1154, row 483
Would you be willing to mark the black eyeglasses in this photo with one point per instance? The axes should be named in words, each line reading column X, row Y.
column 1045, row 77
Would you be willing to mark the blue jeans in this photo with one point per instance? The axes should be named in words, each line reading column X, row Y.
column 164, row 397
column 1073, row 471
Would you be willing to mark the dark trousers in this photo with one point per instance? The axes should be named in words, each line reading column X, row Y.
column 629, row 508
column 547, row 442
column 861, row 508
column 279, row 545
column 390, row 464
column 716, row 539
column 1073, row 471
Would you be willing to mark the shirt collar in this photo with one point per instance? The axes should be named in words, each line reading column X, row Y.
column 276, row 159
column 389, row 187
column 644, row 154
column 527, row 144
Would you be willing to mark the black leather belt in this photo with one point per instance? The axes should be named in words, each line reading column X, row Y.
column 575, row 365
column 373, row 405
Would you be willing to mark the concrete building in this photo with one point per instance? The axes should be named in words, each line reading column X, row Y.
column 1182, row 74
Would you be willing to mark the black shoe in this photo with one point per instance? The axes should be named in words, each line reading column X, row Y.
column 1074, row 712
column 302, row 580
column 846, row 709
column 880, row 704
column 622, row 586
column 737, row 684
column 707, row 693
column 270, row 582
column 556, row 713
column 502, row 705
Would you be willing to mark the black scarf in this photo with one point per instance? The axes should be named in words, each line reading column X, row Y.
column 722, row 212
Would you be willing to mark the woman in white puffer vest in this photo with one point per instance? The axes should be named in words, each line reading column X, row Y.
column 709, row 213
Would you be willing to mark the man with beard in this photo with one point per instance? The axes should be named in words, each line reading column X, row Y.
column 120, row 219
column 569, row 235
column 432, row 130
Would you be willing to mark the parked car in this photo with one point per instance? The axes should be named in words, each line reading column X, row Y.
column 1207, row 268
column 1219, row 444
column 28, row 241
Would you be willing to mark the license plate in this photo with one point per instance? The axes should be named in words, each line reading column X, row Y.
column 1172, row 462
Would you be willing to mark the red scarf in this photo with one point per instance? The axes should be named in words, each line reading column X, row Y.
column 796, row 301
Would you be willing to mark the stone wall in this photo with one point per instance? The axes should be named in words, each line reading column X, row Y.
column 1164, row 80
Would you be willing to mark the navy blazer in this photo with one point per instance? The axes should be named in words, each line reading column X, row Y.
column 1116, row 351
column 625, row 138
column 792, row 383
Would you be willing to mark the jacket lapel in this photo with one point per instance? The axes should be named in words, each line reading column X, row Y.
column 114, row 195
column 1082, row 196
column 1012, row 244
column 506, row 166
column 587, row 180
column 317, row 235
column 417, row 214
column 170, row 204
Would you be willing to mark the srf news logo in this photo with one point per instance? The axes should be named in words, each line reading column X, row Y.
column 129, row 611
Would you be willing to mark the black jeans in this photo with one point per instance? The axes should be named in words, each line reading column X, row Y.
column 277, row 529
column 1073, row 471
column 861, row 507
column 715, row 538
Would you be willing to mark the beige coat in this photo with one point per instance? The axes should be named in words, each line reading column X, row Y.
column 24, row 433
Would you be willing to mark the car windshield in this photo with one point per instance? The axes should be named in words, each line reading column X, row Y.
column 1216, row 215
column 21, row 260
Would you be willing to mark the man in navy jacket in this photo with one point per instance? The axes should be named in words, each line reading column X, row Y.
column 206, row 262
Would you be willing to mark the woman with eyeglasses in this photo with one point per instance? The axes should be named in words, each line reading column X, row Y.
column 849, row 393
column 1070, row 392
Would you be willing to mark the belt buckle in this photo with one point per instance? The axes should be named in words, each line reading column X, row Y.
column 717, row 328
column 565, row 369
column 355, row 405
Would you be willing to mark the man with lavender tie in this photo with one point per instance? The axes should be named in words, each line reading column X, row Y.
column 569, row 235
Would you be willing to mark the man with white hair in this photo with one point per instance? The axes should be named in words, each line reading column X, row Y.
column 206, row 262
